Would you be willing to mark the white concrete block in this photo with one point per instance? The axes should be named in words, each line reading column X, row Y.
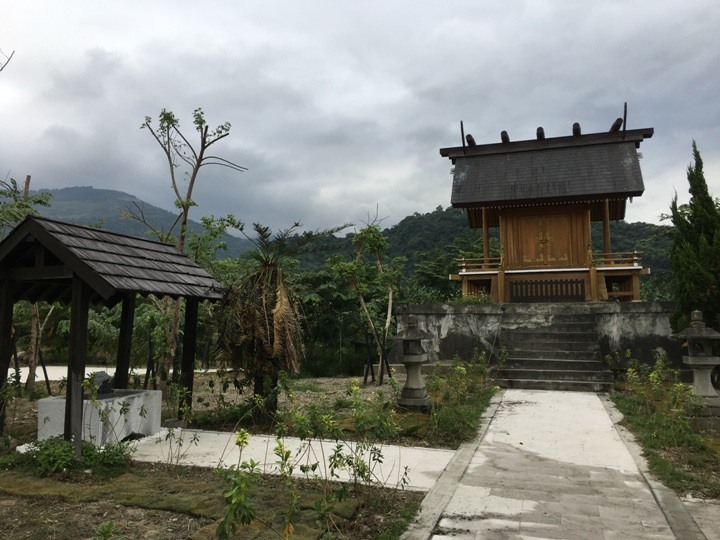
column 106, row 419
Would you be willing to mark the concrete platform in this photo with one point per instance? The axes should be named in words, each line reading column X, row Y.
column 215, row 449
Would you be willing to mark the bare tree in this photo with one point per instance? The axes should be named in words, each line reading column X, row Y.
column 184, row 161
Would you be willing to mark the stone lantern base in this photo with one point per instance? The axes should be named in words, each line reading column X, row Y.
column 414, row 394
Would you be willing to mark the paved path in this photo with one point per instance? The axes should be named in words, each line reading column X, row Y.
column 213, row 449
column 551, row 465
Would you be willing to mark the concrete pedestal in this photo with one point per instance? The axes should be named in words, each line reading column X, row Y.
column 414, row 393
column 702, row 367
column 109, row 418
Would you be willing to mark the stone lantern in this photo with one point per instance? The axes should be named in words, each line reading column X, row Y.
column 700, row 357
column 414, row 394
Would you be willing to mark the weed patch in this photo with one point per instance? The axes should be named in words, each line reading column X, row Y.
column 655, row 404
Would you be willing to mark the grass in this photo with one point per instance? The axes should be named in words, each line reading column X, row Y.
column 654, row 404
column 192, row 496
column 341, row 408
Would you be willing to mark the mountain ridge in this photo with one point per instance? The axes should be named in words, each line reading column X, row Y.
column 414, row 234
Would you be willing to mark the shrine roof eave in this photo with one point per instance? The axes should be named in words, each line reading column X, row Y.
column 539, row 202
column 617, row 208
column 613, row 137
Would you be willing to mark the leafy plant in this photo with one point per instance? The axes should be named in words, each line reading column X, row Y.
column 656, row 405
column 56, row 456
column 239, row 481
column 108, row 531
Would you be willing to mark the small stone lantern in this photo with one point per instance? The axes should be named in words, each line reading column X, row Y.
column 700, row 357
column 414, row 394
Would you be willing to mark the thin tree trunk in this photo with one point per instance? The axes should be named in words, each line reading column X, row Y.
column 33, row 347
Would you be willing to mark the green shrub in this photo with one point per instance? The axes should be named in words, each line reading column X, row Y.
column 56, row 456
column 655, row 405
column 459, row 400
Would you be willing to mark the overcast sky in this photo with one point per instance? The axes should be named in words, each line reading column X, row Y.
column 339, row 108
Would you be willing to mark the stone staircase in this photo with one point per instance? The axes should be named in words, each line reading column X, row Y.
column 551, row 347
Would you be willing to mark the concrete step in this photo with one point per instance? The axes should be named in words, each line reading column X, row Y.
column 554, row 375
column 558, row 326
column 552, row 364
column 544, row 334
column 559, row 352
column 540, row 345
column 573, row 386
column 554, row 355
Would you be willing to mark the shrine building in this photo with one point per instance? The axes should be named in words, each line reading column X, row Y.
column 543, row 194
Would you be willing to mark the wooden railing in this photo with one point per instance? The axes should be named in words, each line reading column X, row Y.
column 599, row 260
column 624, row 259
column 479, row 265
column 548, row 290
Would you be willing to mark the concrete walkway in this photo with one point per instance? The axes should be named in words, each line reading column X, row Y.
column 551, row 465
column 214, row 449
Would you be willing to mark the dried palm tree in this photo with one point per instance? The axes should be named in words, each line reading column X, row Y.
column 261, row 329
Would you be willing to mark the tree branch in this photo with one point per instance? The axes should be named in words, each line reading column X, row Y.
column 4, row 64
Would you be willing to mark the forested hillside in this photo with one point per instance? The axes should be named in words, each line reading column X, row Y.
column 107, row 209
column 430, row 240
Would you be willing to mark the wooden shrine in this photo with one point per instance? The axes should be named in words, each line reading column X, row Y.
column 543, row 195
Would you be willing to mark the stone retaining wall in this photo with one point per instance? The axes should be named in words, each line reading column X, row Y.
column 642, row 327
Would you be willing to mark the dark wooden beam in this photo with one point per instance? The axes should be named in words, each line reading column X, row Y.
column 122, row 367
column 187, row 370
column 77, row 361
column 7, row 299
column 32, row 273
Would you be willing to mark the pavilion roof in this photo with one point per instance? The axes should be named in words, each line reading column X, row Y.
column 42, row 255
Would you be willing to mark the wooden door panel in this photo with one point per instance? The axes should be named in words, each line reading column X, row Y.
column 543, row 241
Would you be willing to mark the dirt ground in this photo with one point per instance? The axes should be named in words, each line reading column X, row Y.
column 45, row 513
column 52, row 519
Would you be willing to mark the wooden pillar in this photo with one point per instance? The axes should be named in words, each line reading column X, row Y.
column 486, row 237
column 122, row 366
column 7, row 299
column 187, row 370
column 607, row 244
column 77, row 361
column 635, row 287
column 593, row 284
column 501, row 285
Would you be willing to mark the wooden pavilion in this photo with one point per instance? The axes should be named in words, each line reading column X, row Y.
column 43, row 259
column 543, row 195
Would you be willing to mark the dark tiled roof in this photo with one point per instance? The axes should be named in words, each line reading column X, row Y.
column 111, row 264
column 565, row 169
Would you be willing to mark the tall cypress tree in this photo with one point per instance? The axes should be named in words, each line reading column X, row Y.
column 695, row 255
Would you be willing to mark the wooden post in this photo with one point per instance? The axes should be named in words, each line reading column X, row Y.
column 593, row 284
column 76, row 362
column 7, row 299
column 501, row 285
column 607, row 245
column 187, row 370
column 635, row 287
column 122, row 366
column 486, row 238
